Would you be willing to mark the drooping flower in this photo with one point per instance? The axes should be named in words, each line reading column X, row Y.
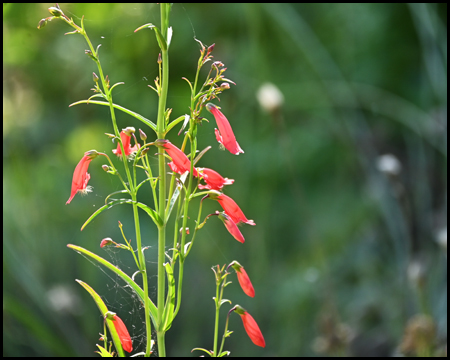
column 81, row 176
column 214, row 181
column 122, row 331
column 251, row 327
column 243, row 279
column 231, row 226
column 231, row 208
column 180, row 162
column 225, row 134
column 125, row 136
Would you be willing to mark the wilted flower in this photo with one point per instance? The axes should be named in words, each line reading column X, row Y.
column 243, row 279
column 81, row 176
column 122, row 331
column 251, row 327
column 225, row 134
column 125, row 136
column 214, row 181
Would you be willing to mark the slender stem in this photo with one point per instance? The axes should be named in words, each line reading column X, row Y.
column 224, row 334
column 162, row 185
column 216, row 324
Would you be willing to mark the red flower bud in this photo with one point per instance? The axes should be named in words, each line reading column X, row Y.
column 225, row 134
column 243, row 279
column 251, row 327
column 106, row 241
column 122, row 331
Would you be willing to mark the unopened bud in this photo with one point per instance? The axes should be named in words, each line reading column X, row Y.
column 225, row 86
column 107, row 241
column 142, row 135
column 210, row 49
column 55, row 11
column 42, row 23
column 217, row 64
column 95, row 77
column 105, row 167
column 159, row 59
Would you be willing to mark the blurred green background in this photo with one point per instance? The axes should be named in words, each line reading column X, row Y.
column 344, row 173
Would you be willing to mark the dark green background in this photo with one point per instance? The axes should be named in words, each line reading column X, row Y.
column 335, row 236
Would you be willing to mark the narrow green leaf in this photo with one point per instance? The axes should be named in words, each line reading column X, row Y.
column 170, row 302
column 118, row 107
column 209, row 352
column 119, row 83
column 103, row 309
column 175, row 122
column 125, row 277
column 152, row 213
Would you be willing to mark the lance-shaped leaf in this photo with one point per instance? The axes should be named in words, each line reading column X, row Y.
column 118, row 107
column 159, row 36
column 152, row 213
column 103, row 309
column 125, row 277
column 170, row 302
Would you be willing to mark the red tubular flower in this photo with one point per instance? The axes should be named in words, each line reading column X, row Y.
column 231, row 226
column 122, row 331
column 243, row 279
column 232, row 209
column 125, row 136
column 81, row 176
column 251, row 327
column 214, row 181
column 225, row 134
column 180, row 162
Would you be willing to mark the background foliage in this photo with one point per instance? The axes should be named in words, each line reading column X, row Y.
column 345, row 253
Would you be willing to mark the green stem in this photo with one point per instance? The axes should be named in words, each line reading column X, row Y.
column 160, row 127
column 216, row 324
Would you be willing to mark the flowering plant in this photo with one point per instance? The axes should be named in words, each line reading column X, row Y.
column 173, row 195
